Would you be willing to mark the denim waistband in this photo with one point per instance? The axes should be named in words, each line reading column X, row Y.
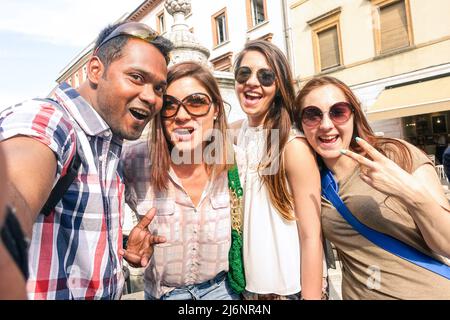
column 217, row 279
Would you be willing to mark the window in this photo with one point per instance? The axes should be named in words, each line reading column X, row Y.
column 223, row 62
column 84, row 77
column 220, row 29
column 256, row 12
column 161, row 23
column 439, row 124
column 329, row 48
column 392, row 28
column 327, row 40
column 74, row 81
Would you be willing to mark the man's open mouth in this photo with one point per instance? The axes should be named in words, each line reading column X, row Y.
column 139, row 114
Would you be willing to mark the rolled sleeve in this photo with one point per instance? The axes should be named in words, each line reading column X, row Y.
column 44, row 123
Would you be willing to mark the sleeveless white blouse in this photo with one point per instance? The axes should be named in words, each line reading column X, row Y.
column 271, row 250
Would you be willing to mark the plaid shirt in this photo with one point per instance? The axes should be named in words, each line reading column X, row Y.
column 198, row 237
column 74, row 251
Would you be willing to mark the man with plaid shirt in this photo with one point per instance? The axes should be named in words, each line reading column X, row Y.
column 74, row 251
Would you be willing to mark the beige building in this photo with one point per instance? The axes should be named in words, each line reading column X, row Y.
column 395, row 54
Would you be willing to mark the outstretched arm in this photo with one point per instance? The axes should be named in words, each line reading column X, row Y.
column 12, row 283
column 304, row 181
column 421, row 192
column 31, row 168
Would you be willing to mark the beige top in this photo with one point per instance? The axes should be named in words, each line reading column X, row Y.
column 198, row 237
column 368, row 271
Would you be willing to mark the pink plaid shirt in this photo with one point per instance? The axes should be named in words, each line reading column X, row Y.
column 198, row 237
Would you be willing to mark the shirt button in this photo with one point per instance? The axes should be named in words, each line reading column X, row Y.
column 107, row 134
column 101, row 158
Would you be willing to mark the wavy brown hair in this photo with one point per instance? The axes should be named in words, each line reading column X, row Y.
column 159, row 145
column 279, row 116
column 391, row 148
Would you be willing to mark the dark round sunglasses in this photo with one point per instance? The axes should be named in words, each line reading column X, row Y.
column 133, row 29
column 196, row 104
column 339, row 113
column 266, row 77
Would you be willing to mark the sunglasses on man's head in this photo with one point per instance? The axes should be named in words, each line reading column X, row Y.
column 196, row 104
column 132, row 29
column 266, row 77
column 339, row 113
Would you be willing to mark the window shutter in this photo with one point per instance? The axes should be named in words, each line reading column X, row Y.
column 329, row 48
column 393, row 26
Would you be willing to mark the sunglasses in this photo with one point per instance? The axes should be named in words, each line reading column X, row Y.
column 266, row 77
column 339, row 113
column 196, row 104
column 132, row 29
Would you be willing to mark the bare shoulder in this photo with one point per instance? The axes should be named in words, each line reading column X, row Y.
column 297, row 146
column 298, row 154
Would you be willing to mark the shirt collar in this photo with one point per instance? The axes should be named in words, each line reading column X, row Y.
column 83, row 113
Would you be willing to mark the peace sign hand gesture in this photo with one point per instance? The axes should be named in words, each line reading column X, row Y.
column 140, row 242
column 381, row 173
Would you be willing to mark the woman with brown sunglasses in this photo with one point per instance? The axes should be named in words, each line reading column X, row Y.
column 182, row 172
column 281, row 233
column 389, row 186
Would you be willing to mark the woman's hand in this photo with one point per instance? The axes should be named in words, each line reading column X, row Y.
column 420, row 191
column 381, row 173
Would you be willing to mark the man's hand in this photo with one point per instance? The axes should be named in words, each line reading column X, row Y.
column 140, row 242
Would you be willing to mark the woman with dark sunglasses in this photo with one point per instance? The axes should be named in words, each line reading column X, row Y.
column 282, row 235
column 182, row 172
column 388, row 185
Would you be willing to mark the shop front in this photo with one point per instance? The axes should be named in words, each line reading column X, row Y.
column 424, row 109
column 430, row 132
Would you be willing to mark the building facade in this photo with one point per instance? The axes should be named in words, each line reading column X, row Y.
column 395, row 55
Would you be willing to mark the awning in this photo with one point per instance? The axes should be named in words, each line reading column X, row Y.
column 408, row 100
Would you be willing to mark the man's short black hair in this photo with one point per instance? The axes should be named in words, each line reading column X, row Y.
column 112, row 49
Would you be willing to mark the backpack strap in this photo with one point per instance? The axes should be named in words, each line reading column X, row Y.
column 330, row 191
column 65, row 181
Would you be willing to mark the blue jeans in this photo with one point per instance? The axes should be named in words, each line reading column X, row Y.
column 215, row 289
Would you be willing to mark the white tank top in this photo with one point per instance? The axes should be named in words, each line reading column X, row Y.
column 271, row 250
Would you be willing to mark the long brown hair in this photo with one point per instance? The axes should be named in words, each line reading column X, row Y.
column 160, row 147
column 279, row 116
column 391, row 148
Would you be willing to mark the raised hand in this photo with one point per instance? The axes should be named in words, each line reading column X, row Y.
column 381, row 173
column 140, row 242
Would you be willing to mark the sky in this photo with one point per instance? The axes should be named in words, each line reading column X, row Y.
column 38, row 39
